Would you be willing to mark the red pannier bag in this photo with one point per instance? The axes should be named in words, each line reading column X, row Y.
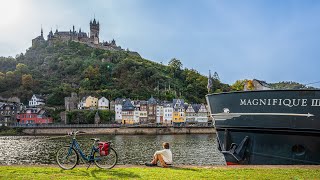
column 104, row 148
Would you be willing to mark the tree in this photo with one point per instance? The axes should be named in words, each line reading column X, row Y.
column 175, row 67
column 2, row 76
column 249, row 85
column 238, row 85
column 10, row 75
column 27, row 81
column 175, row 64
column 21, row 68
column 216, row 76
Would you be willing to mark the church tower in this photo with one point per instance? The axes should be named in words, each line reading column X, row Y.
column 94, row 31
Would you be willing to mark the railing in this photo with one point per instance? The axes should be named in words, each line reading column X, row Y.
column 108, row 125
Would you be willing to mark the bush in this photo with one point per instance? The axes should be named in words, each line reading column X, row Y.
column 87, row 116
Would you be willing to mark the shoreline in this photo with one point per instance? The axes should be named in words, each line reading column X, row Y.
column 121, row 131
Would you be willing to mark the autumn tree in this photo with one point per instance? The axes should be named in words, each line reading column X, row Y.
column 27, row 81
column 21, row 68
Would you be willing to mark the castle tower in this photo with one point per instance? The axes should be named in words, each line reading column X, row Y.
column 38, row 40
column 94, row 31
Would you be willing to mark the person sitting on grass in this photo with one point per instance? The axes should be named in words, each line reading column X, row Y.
column 163, row 156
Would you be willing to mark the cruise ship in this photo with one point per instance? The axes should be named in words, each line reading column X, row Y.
column 278, row 127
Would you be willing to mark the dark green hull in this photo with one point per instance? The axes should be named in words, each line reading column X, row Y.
column 268, row 127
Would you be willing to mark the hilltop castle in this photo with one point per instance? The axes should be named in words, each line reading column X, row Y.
column 91, row 39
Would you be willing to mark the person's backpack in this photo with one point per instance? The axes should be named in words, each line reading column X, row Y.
column 104, row 148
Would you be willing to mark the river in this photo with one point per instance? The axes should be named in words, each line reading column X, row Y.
column 190, row 149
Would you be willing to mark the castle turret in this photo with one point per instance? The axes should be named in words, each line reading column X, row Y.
column 113, row 43
column 94, row 31
column 38, row 40
column 50, row 35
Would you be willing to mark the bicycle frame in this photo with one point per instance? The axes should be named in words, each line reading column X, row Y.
column 74, row 144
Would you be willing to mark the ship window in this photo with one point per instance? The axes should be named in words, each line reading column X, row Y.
column 298, row 149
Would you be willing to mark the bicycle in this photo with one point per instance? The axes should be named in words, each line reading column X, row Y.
column 68, row 156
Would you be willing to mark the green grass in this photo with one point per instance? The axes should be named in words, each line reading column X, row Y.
column 50, row 172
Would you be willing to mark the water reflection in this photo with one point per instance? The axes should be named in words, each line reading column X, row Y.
column 132, row 149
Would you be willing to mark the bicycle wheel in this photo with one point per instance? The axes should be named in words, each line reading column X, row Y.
column 106, row 162
column 67, row 158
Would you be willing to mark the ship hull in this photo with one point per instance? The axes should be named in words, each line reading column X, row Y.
column 268, row 127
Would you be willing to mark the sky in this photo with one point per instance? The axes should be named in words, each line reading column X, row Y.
column 269, row 40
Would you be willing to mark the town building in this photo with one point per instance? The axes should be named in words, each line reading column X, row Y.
column 36, row 100
column 71, row 103
column 118, row 109
column 159, row 115
column 9, row 112
column 143, row 117
column 88, row 102
column 191, row 113
column 34, row 116
column 103, row 103
column 152, row 110
column 167, row 113
column 136, row 115
column 178, row 111
column 128, row 112
column 203, row 114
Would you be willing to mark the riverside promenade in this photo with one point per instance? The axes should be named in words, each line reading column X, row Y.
column 116, row 129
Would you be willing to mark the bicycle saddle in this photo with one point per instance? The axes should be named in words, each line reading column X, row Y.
column 95, row 139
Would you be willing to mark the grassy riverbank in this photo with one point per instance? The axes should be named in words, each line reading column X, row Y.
column 7, row 131
column 220, row 172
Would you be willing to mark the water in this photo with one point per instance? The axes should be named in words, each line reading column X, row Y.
column 131, row 149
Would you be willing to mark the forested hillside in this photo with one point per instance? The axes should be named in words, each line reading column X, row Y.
column 56, row 71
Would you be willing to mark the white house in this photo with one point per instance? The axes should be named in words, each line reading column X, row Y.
column 36, row 100
column 136, row 116
column 82, row 103
column 159, row 114
column 118, row 109
column 202, row 115
column 167, row 113
column 118, row 112
column 103, row 103
column 191, row 113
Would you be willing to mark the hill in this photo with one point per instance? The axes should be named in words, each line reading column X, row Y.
column 66, row 67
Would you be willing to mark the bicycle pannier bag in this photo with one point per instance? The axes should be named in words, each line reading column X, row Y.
column 104, row 148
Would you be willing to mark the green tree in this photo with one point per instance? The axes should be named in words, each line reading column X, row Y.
column 238, row 85
column 175, row 64
column 175, row 67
